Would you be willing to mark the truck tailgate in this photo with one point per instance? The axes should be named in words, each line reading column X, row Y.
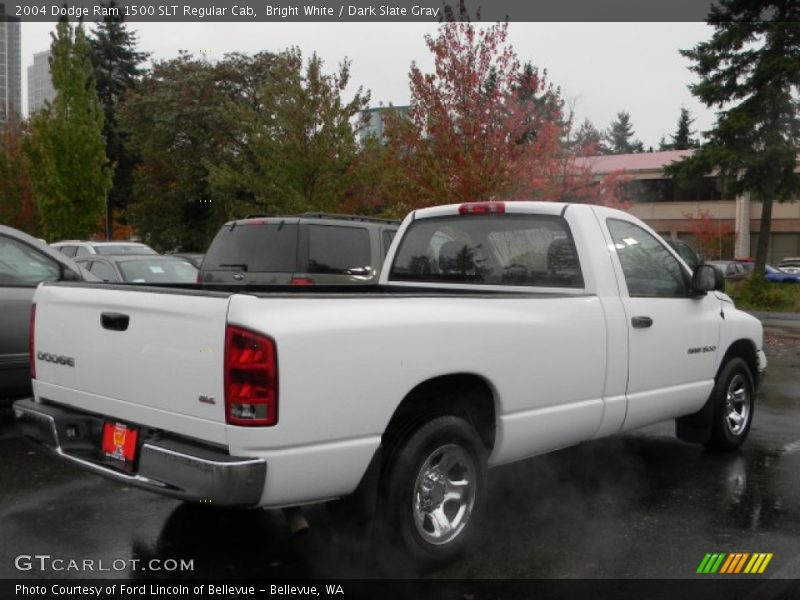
column 151, row 357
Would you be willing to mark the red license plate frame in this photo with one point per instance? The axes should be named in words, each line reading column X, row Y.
column 120, row 441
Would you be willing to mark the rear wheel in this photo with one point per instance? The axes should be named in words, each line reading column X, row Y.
column 433, row 489
column 733, row 398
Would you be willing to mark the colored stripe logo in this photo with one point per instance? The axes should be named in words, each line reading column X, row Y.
column 734, row 563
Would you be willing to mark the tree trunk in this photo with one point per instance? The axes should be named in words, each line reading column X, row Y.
column 766, row 227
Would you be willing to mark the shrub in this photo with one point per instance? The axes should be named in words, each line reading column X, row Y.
column 756, row 293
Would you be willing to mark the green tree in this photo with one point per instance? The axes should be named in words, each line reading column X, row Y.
column 295, row 142
column 683, row 139
column 116, row 66
column 177, row 125
column 66, row 148
column 619, row 136
column 750, row 70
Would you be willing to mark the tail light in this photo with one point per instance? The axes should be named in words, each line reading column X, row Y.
column 482, row 208
column 199, row 278
column 31, row 345
column 251, row 378
column 301, row 281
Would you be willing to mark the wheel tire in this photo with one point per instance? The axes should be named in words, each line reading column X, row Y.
column 433, row 488
column 734, row 404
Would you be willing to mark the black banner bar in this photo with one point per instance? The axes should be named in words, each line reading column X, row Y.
column 431, row 11
column 707, row 588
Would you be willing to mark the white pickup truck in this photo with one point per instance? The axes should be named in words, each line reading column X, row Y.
column 498, row 331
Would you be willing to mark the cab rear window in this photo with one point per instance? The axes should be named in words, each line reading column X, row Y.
column 259, row 247
column 516, row 250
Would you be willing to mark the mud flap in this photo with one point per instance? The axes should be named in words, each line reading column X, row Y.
column 358, row 511
column 696, row 428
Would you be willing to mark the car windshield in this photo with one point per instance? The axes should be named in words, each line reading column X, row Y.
column 124, row 249
column 158, row 271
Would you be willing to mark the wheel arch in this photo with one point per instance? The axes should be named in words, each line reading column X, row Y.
column 461, row 394
column 744, row 349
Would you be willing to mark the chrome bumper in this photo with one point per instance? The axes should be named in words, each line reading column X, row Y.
column 166, row 464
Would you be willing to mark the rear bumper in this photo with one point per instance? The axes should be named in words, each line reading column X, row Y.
column 166, row 464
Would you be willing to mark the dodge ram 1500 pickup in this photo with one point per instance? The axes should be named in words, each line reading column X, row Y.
column 498, row 331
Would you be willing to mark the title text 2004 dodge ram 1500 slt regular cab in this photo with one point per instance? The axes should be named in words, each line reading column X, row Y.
column 498, row 331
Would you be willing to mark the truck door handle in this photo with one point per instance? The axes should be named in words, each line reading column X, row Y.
column 641, row 322
column 114, row 321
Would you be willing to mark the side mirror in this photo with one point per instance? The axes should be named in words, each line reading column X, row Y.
column 705, row 279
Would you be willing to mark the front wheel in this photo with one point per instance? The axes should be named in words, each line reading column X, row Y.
column 433, row 490
column 733, row 398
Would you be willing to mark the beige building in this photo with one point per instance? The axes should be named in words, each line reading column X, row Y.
column 668, row 208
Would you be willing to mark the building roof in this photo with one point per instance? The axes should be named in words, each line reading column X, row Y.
column 632, row 163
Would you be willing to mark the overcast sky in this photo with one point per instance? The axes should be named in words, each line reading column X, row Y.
column 602, row 67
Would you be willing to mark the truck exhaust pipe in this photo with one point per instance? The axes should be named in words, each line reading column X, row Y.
column 295, row 520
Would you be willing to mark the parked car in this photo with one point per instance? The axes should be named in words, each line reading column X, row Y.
column 140, row 269
column 775, row 275
column 24, row 262
column 790, row 265
column 732, row 270
column 196, row 258
column 772, row 274
column 463, row 356
column 313, row 248
column 75, row 248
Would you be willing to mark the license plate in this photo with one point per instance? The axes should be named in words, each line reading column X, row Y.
column 119, row 441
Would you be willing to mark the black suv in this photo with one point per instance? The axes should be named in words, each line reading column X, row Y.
column 312, row 248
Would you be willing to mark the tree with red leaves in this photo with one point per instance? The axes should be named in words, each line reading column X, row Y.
column 475, row 130
column 16, row 205
column 713, row 238
column 481, row 126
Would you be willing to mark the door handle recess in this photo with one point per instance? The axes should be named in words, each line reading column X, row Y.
column 641, row 322
column 114, row 321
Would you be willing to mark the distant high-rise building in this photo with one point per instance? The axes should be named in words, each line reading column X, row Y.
column 10, row 66
column 40, row 84
column 375, row 126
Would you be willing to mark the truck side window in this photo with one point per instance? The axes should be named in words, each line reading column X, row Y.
column 650, row 269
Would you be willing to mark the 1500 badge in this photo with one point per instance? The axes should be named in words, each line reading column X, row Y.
column 703, row 349
column 56, row 358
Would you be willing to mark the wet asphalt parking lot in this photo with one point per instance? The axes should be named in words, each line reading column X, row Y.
column 641, row 505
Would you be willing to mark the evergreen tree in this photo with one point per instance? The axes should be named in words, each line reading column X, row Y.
column 66, row 148
column 619, row 136
column 116, row 65
column 684, row 136
column 750, row 68
column 542, row 98
column 588, row 140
